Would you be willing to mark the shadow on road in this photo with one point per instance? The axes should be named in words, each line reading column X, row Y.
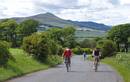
column 105, row 71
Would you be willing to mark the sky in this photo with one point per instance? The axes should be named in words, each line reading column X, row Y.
column 110, row 12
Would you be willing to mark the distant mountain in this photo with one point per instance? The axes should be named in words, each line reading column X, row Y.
column 92, row 25
column 50, row 20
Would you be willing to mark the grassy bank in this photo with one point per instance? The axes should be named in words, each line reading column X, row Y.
column 121, row 63
column 24, row 64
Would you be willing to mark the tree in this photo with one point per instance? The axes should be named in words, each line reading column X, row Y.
column 4, row 53
column 86, row 43
column 108, row 48
column 26, row 28
column 56, row 34
column 120, row 35
column 8, row 31
column 64, row 36
column 69, row 37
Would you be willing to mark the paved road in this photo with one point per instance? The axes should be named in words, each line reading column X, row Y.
column 81, row 71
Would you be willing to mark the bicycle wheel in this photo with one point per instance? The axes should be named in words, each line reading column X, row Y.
column 67, row 67
column 96, row 65
column 67, row 64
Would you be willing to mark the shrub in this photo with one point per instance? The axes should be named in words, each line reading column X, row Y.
column 108, row 48
column 60, row 50
column 88, row 43
column 40, row 46
column 79, row 50
column 55, row 48
column 37, row 45
column 4, row 53
column 54, row 59
column 87, row 50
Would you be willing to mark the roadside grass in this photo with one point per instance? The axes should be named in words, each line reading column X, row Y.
column 23, row 64
column 121, row 62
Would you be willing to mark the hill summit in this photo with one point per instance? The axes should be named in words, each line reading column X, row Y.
column 51, row 20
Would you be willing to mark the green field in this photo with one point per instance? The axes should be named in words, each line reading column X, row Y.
column 121, row 63
column 81, row 35
column 21, row 65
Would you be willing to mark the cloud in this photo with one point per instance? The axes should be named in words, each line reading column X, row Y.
column 103, row 11
column 115, row 2
column 14, row 8
column 125, row 2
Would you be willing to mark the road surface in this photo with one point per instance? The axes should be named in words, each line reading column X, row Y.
column 81, row 71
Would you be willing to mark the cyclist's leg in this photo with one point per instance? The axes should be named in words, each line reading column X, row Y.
column 95, row 60
column 65, row 60
column 98, row 60
column 69, row 61
column 84, row 57
column 67, row 64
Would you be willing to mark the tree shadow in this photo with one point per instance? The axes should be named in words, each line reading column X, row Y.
column 104, row 71
column 74, row 71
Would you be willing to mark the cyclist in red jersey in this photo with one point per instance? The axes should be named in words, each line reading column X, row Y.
column 67, row 55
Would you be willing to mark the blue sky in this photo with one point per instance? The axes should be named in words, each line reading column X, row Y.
column 110, row 12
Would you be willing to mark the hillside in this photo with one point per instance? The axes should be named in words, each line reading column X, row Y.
column 47, row 19
column 92, row 25
column 50, row 20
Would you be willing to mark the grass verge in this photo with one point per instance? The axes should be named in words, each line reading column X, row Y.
column 121, row 63
column 24, row 64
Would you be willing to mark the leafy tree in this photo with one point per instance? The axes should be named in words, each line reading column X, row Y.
column 4, row 52
column 64, row 36
column 120, row 35
column 8, row 31
column 108, row 48
column 56, row 34
column 26, row 28
column 69, row 37
column 86, row 43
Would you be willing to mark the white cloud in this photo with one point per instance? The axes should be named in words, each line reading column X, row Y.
column 15, row 8
column 123, row 2
column 103, row 11
column 84, row 2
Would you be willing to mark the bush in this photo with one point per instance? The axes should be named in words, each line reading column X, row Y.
column 4, row 52
column 108, row 48
column 37, row 45
column 87, row 50
column 88, row 43
column 60, row 50
column 54, row 60
column 40, row 46
column 79, row 50
column 55, row 48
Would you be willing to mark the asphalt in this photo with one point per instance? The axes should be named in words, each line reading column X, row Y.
column 81, row 71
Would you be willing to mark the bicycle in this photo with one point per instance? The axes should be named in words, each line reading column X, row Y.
column 67, row 64
column 96, row 63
